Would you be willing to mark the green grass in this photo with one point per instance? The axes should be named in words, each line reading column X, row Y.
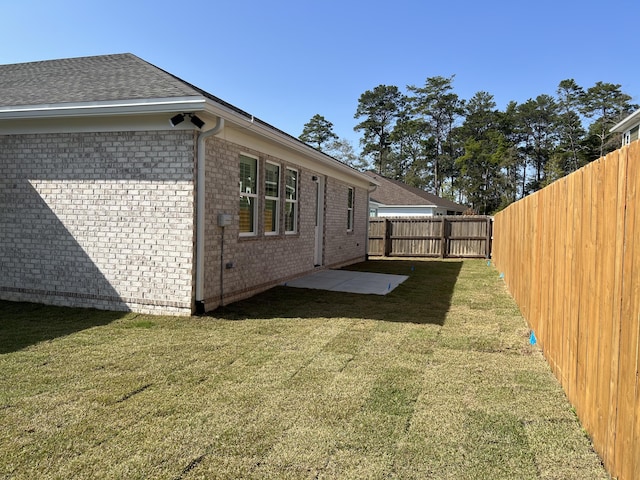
column 435, row 380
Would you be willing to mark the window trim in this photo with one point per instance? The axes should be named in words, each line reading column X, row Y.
column 626, row 138
column 293, row 202
column 255, row 195
column 267, row 198
column 350, row 208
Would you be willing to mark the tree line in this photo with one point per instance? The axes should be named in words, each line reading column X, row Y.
column 468, row 150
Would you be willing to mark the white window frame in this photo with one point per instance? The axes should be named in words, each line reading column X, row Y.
column 350, row 202
column 268, row 198
column 292, row 202
column 254, row 195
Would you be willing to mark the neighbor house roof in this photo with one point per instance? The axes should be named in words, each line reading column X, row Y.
column 122, row 84
column 627, row 122
column 394, row 192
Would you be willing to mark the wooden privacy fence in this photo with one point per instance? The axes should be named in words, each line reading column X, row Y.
column 459, row 236
column 570, row 255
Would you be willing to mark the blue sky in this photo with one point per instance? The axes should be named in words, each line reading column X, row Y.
column 284, row 61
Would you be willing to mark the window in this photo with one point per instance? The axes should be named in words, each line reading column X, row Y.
column 248, row 195
column 271, row 198
column 350, row 209
column 291, row 201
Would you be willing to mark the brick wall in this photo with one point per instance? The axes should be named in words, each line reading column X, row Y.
column 263, row 261
column 106, row 220
column 98, row 220
column 341, row 247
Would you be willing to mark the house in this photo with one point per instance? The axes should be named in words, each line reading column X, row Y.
column 392, row 198
column 629, row 128
column 124, row 187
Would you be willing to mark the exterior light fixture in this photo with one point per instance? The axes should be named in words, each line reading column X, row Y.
column 196, row 120
column 176, row 119
column 179, row 118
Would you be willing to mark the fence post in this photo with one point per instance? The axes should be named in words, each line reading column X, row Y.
column 487, row 247
column 443, row 238
column 387, row 237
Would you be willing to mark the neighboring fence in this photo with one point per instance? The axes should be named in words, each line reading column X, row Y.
column 459, row 236
column 570, row 255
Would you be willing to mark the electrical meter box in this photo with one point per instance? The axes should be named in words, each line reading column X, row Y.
column 224, row 219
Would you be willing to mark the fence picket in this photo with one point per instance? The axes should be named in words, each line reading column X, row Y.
column 570, row 254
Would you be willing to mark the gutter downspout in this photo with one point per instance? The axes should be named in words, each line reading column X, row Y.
column 200, row 217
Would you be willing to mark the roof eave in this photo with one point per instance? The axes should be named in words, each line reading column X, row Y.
column 423, row 205
column 626, row 123
column 104, row 108
column 195, row 103
column 265, row 130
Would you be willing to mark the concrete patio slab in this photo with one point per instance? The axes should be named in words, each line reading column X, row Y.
column 348, row 281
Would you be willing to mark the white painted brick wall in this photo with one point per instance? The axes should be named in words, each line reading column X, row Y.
column 98, row 219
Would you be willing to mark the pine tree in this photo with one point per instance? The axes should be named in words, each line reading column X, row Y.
column 318, row 132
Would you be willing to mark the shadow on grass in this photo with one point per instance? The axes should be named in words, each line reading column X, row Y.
column 25, row 324
column 425, row 297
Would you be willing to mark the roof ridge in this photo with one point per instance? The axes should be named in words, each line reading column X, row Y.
column 415, row 192
column 113, row 77
column 81, row 57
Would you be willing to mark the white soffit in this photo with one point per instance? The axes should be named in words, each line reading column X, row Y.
column 172, row 105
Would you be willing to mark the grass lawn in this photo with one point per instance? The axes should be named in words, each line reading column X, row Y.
column 436, row 380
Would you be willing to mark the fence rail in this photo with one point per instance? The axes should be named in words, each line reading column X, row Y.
column 570, row 255
column 444, row 237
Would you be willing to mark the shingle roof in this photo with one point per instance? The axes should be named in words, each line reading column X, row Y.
column 106, row 78
column 394, row 192
column 98, row 78
column 87, row 79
